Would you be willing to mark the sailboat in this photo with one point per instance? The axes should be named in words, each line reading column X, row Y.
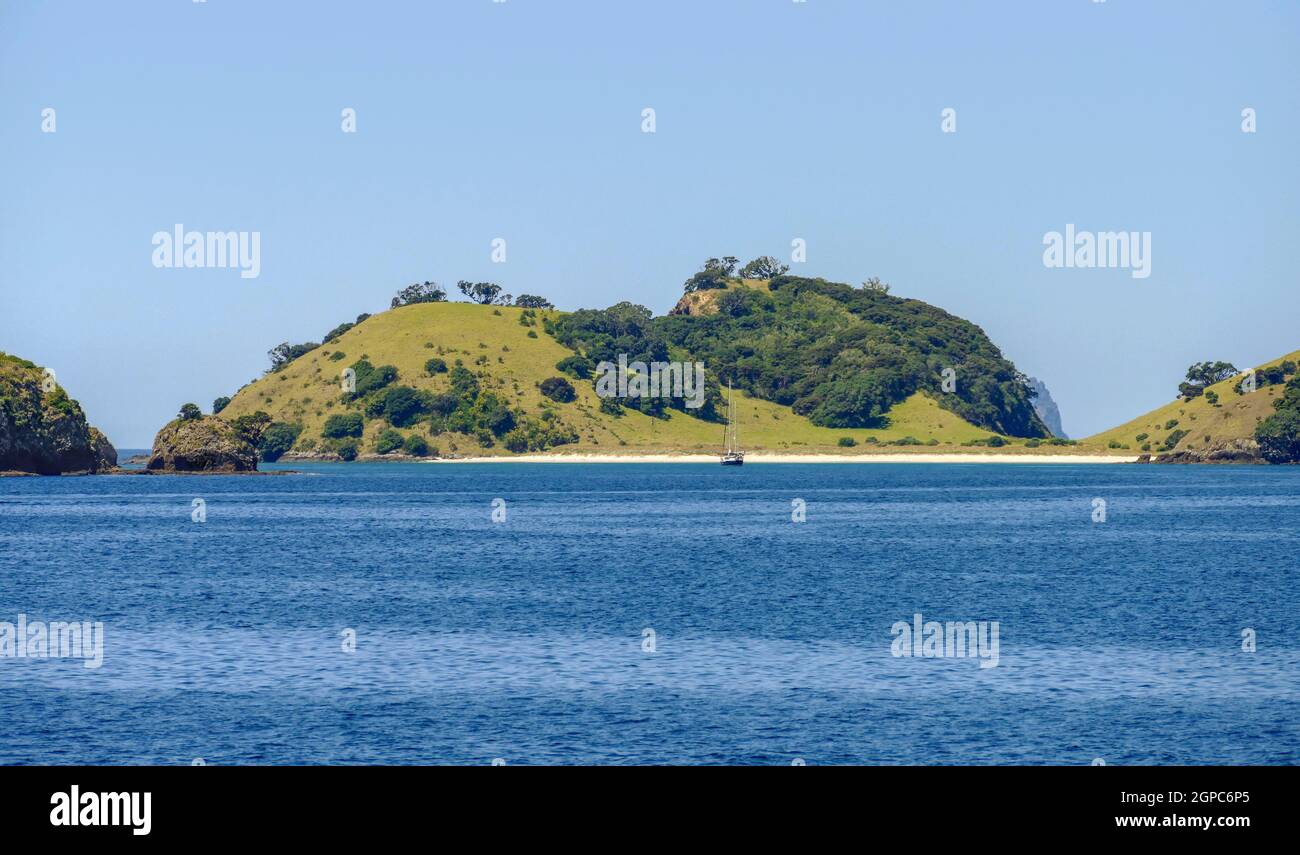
column 732, row 456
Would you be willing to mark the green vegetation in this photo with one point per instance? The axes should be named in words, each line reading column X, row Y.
column 846, row 442
column 284, row 353
column 1236, row 423
column 389, row 441
column 558, row 389
column 277, row 439
column 1279, row 434
column 483, row 293
column 189, row 412
column 42, row 429
column 342, row 425
column 421, row 292
column 219, row 404
column 791, row 341
column 844, row 356
column 1202, row 375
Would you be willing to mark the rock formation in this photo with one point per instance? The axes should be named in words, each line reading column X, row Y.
column 1046, row 408
column 207, row 444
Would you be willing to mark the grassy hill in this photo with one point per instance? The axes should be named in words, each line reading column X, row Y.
column 1198, row 423
column 511, row 360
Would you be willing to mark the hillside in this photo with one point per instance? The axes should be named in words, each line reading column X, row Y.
column 509, row 360
column 1202, row 425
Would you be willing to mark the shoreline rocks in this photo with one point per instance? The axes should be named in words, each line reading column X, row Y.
column 1234, row 451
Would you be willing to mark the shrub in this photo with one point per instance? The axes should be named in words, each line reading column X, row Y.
column 1171, row 424
column 995, row 441
column 220, row 404
column 611, row 407
column 415, row 445
column 1140, row 437
column 435, row 366
column 558, row 389
column 388, row 441
column 1212, row 397
column 1173, row 439
column 345, row 448
column 278, row 438
column 847, row 442
column 1032, row 443
column 337, row 355
column 577, row 365
column 343, row 425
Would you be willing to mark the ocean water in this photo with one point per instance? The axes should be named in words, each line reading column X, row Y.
column 526, row 639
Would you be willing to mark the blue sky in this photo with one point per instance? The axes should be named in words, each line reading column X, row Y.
column 522, row 120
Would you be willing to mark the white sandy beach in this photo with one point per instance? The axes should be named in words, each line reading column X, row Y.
column 757, row 457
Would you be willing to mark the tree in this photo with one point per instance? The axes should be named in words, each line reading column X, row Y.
column 1279, row 434
column 420, row 292
column 342, row 425
column 402, row 405
column 220, row 404
column 874, row 284
column 1203, row 374
column 764, row 267
column 284, row 353
column 532, row 301
column 250, row 427
column 278, row 438
column 483, row 293
column 190, row 412
column 714, row 274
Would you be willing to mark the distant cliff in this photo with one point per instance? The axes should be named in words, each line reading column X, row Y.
column 42, row 430
column 1046, row 408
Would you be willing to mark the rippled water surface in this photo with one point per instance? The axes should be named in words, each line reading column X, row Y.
column 524, row 640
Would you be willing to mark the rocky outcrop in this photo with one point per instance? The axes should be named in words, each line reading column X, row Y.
column 207, row 444
column 42, row 430
column 698, row 302
column 1226, row 451
column 1046, row 408
column 105, row 453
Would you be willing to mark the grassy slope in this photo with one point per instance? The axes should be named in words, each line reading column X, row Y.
column 1234, row 418
column 308, row 391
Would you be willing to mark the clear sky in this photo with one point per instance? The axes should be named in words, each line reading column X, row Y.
column 522, row 120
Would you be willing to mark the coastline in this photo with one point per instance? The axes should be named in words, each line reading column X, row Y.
column 756, row 457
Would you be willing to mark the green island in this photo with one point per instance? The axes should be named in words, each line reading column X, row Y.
column 817, row 369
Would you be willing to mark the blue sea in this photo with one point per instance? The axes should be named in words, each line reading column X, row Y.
column 646, row 613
